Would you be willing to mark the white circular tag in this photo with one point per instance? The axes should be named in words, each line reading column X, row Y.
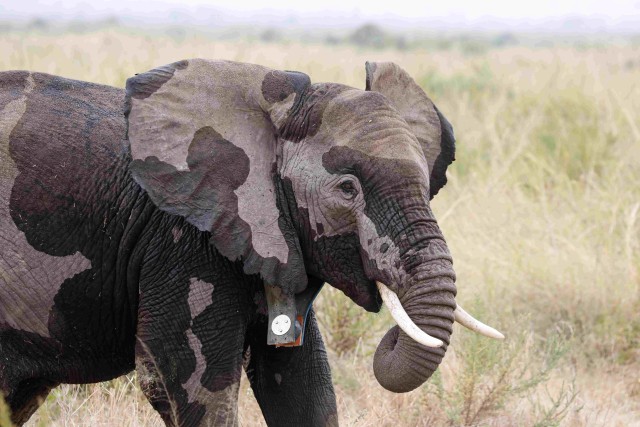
column 281, row 324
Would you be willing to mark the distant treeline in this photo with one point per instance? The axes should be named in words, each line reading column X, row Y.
column 366, row 36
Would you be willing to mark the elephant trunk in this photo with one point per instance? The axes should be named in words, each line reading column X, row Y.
column 401, row 364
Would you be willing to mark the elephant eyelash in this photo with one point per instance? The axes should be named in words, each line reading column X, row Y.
column 349, row 188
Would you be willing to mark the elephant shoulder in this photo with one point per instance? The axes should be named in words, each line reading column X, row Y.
column 33, row 85
column 12, row 86
column 47, row 112
column 51, row 94
column 60, row 115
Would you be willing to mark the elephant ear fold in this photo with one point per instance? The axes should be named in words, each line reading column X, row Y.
column 431, row 128
column 203, row 144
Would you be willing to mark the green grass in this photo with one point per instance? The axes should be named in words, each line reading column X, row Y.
column 5, row 414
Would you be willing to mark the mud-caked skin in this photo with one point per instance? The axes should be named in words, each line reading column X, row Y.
column 88, row 264
column 67, row 237
column 139, row 228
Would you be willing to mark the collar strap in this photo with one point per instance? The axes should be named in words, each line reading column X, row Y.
column 288, row 313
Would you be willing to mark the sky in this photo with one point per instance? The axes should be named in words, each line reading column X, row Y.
column 604, row 14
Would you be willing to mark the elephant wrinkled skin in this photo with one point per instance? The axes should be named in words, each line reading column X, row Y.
column 139, row 228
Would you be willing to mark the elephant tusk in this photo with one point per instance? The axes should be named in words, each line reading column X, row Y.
column 466, row 320
column 401, row 317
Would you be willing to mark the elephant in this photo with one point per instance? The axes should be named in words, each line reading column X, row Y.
column 183, row 226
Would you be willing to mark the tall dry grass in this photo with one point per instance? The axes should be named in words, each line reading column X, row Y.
column 541, row 214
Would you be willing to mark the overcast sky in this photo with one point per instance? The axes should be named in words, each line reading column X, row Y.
column 608, row 14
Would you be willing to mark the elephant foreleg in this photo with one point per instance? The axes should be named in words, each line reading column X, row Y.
column 189, row 351
column 292, row 384
column 26, row 397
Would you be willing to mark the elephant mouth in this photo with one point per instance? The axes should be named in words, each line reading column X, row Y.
column 362, row 292
column 369, row 298
column 405, row 323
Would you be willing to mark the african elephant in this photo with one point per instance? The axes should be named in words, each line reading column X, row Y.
column 183, row 228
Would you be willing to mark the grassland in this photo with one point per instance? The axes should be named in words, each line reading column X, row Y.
column 542, row 215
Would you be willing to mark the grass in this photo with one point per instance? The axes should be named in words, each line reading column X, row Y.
column 541, row 213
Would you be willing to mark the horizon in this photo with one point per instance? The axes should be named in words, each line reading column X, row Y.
column 568, row 16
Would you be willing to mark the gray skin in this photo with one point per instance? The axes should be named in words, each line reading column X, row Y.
column 144, row 228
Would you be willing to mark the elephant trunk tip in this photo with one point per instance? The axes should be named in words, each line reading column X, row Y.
column 413, row 373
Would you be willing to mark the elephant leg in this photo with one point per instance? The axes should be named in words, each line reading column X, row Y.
column 29, row 370
column 26, row 397
column 189, row 350
column 292, row 384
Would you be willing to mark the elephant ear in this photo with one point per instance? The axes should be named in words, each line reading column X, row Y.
column 431, row 128
column 203, row 141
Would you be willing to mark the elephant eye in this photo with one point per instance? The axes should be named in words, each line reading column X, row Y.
column 349, row 188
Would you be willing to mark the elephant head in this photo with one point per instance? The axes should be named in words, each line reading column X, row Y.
column 302, row 180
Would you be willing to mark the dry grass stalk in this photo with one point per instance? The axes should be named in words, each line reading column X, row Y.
column 541, row 214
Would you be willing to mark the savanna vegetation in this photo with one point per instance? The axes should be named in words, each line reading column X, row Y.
column 541, row 213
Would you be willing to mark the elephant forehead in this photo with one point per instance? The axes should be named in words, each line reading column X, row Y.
column 367, row 122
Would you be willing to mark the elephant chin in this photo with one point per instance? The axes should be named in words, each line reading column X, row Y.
column 366, row 297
